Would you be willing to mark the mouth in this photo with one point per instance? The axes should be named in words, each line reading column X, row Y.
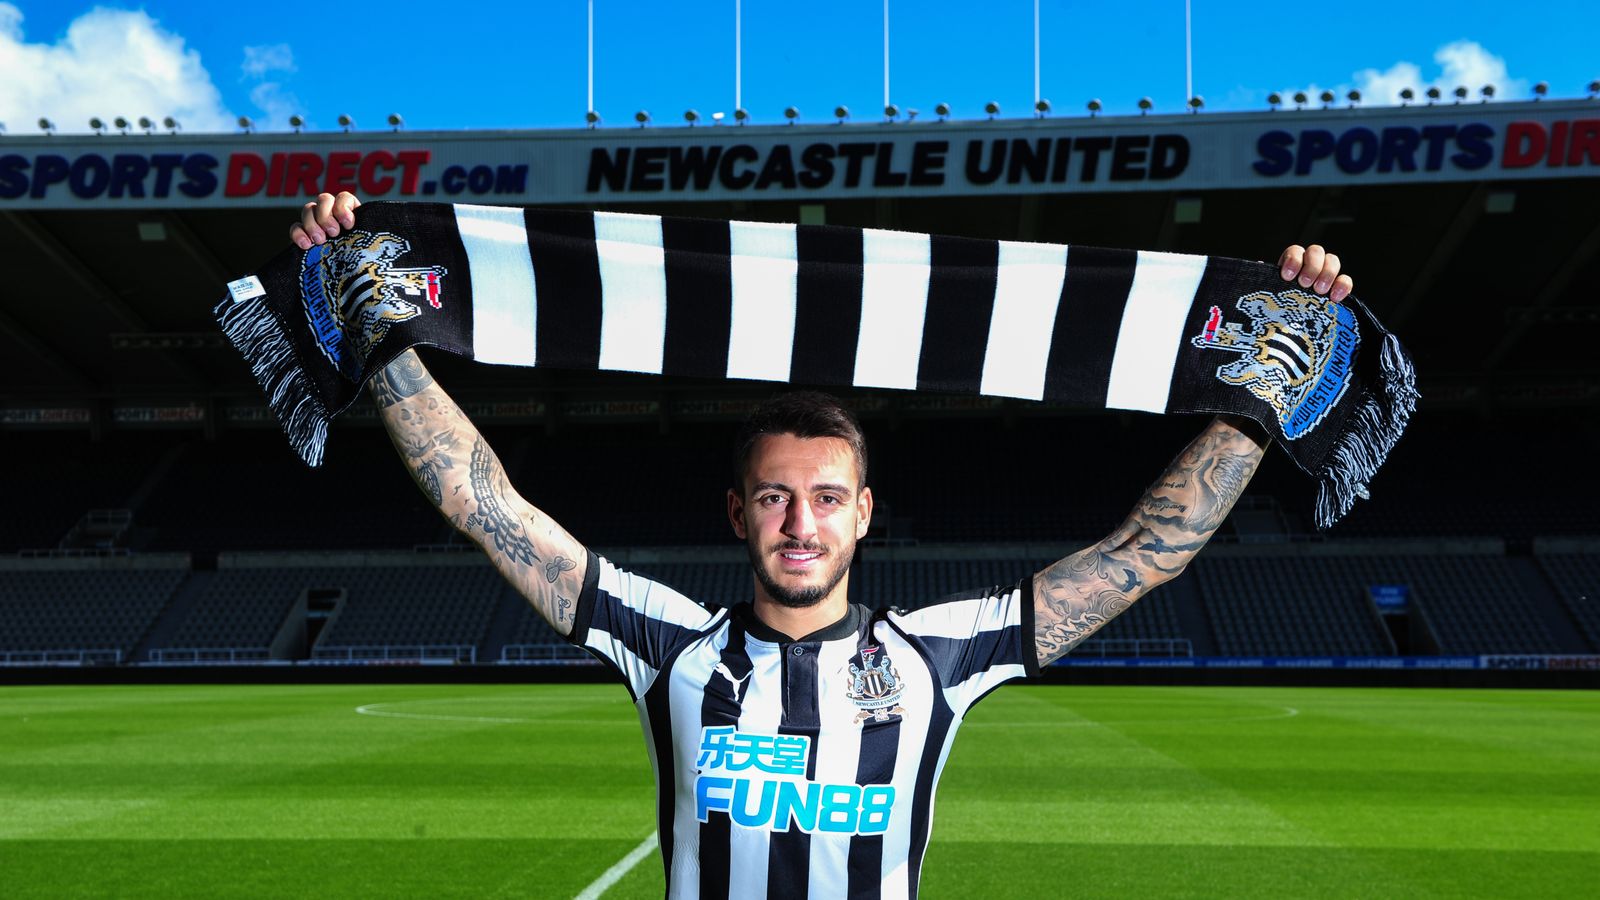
column 799, row 560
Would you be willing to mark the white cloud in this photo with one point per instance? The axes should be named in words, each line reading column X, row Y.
column 110, row 62
column 275, row 103
column 260, row 60
column 1459, row 64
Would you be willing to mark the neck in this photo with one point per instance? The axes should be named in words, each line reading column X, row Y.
column 797, row 623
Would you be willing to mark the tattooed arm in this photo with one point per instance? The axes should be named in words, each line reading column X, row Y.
column 453, row 465
column 1173, row 520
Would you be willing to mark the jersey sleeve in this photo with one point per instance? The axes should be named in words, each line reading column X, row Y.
column 633, row 624
column 976, row 640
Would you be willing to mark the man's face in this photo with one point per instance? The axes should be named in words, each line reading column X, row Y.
column 800, row 515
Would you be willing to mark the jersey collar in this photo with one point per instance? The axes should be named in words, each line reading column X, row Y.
column 848, row 626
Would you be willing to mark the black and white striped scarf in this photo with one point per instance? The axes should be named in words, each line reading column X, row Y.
column 825, row 305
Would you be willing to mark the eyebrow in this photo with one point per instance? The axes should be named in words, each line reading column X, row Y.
column 778, row 486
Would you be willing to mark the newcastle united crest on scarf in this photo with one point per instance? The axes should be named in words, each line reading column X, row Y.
column 353, row 294
column 1296, row 354
column 875, row 686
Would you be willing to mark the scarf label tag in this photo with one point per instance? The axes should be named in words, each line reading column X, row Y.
column 246, row 288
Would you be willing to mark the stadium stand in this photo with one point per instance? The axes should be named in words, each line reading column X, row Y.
column 1308, row 609
column 1576, row 577
column 411, row 606
column 73, row 613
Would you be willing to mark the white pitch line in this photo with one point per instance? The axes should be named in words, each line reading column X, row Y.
column 1289, row 712
column 371, row 709
column 614, row 874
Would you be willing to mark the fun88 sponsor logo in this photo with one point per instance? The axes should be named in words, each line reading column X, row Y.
column 759, row 780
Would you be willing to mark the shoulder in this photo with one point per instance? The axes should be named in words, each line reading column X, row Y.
column 967, row 611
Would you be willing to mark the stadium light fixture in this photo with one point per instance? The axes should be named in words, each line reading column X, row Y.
column 942, row 110
column 1196, row 103
column 1487, row 92
column 1539, row 90
column 245, row 125
column 841, row 113
column 1299, row 99
column 97, row 125
column 297, row 122
column 148, row 126
column 791, row 113
column 1327, row 99
column 741, row 115
column 592, row 117
column 170, row 124
column 717, row 117
column 992, row 108
column 396, row 121
column 1406, row 96
column 691, row 116
column 1594, row 89
column 891, row 112
column 1354, row 97
column 911, row 115
column 346, row 122
column 642, row 117
column 1433, row 95
column 1041, row 108
column 122, row 124
column 1145, row 105
column 1094, row 107
column 1461, row 92
column 47, row 126
column 1274, row 100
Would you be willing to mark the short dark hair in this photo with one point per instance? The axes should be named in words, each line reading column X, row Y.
column 804, row 414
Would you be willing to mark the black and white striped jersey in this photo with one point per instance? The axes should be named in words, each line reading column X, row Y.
column 799, row 768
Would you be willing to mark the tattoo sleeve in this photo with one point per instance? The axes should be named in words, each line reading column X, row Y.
column 1174, row 519
column 463, row 478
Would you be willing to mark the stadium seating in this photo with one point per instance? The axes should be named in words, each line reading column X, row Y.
column 410, row 606
column 101, row 610
column 1576, row 577
column 1310, row 608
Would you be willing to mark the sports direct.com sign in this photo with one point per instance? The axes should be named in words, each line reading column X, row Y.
column 1501, row 141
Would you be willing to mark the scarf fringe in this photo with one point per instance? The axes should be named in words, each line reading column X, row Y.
column 260, row 338
column 1370, row 433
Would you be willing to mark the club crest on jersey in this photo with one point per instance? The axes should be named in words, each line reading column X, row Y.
column 353, row 293
column 1296, row 354
column 875, row 686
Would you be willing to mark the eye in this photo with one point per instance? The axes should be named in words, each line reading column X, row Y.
column 770, row 499
column 829, row 500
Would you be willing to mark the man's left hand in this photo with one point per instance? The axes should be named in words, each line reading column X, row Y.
column 1314, row 267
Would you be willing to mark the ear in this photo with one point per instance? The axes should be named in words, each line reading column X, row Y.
column 863, row 512
column 736, row 513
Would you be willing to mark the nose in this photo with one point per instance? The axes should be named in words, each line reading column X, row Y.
column 798, row 521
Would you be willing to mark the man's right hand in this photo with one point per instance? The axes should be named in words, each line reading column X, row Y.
column 324, row 218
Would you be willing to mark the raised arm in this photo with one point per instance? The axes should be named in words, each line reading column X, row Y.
column 1177, row 515
column 1073, row 598
column 454, row 466
column 462, row 477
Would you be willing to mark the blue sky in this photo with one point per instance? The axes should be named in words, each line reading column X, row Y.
column 517, row 65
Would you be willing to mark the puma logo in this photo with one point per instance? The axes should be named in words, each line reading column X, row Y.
column 738, row 684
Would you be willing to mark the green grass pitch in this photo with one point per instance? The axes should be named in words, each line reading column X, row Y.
column 535, row 790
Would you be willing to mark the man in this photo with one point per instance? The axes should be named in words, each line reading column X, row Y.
column 797, row 740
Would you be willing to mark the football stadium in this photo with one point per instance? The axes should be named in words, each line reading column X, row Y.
column 224, row 672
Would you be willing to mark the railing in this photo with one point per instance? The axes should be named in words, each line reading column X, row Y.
column 423, row 653
column 543, row 654
column 60, row 657
column 190, row 656
column 1165, row 648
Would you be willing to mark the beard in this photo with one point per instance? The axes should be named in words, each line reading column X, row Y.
column 802, row 597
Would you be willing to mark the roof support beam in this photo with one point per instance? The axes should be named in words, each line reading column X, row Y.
column 1444, row 250
column 1585, row 252
column 179, row 232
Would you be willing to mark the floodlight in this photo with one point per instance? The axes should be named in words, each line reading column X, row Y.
column 1407, row 95
column 297, row 123
column 911, row 115
column 396, row 122
column 717, row 117
column 1145, row 105
column 245, row 125
column 47, row 126
column 1041, row 108
column 346, row 122
column 1327, row 99
column 642, row 117
column 1196, row 103
column 741, row 115
column 592, row 117
column 170, row 124
column 691, row 116
column 146, row 124
column 791, row 113
column 1487, row 91
column 1274, row 100
column 1540, row 89
column 1094, row 107
column 1433, row 95
column 1354, row 96
column 1299, row 99
column 841, row 113
column 1594, row 88
column 992, row 108
column 891, row 111
column 122, row 124
column 942, row 110
column 97, row 125
column 1461, row 92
